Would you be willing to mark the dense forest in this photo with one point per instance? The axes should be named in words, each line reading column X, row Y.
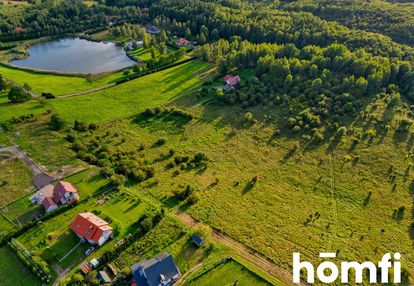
column 393, row 20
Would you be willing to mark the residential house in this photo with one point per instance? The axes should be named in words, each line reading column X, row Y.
column 152, row 30
column 65, row 193
column 90, row 227
column 160, row 270
column 49, row 204
column 181, row 42
column 231, row 81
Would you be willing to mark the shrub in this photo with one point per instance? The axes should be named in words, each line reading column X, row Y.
column 248, row 117
column 56, row 123
column 341, row 131
column 18, row 94
column 117, row 180
column 161, row 142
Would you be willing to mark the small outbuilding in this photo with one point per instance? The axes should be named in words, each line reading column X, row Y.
column 104, row 277
column 197, row 240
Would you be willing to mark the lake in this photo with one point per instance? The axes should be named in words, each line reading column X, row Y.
column 76, row 55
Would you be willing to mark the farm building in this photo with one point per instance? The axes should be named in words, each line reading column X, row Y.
column 231, row 81
column 160, row 270
column 91, row 228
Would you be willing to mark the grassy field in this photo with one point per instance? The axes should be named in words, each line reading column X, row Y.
column 13, row 272
column 45, row 146
column 10, row 110
column 358, row 202
column 56, row 84
column 131, row 97
column 15, row 178
column 228, row 273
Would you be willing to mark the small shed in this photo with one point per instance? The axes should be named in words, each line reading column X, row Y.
column 104, row 277
column 197, row 240
column 94, row 262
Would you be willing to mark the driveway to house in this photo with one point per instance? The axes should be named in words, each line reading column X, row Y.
column 36, row 168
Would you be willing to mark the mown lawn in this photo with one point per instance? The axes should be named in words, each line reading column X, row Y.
column 56, row 84
column 15, row 178
column 13, row 272
column 228, row 273
column 131, row 97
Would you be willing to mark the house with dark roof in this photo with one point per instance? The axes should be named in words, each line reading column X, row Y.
column 152, row 30
column 90, row 227
column 160, row 270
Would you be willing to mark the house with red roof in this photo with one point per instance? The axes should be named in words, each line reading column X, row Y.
column 90, row 227
column 65, row 193
column 231, row 81
column 49, row 204
column 181, row 42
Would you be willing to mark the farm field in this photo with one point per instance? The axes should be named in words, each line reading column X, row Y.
column 331, row 208
column 15, row 178
column 13, row 272
column 133, row 96
column 227, row 273
column 56, row 84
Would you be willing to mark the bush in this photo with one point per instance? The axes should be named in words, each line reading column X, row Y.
column 56, row 123
column 117, row 180
column 248, row 117
column 161, row 142
column 18, row 94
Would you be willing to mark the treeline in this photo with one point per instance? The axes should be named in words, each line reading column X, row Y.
column 264, row 22
column 393, row 20
column 48, row 18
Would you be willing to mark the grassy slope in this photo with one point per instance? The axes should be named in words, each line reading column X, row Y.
column 271, row 216
column 131, row 97
column 13, row 272
column 9, row 110
column 15, row 179
column 56, row 84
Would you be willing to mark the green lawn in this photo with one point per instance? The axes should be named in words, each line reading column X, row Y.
column 226, row 274
column 15, row 178
column 56, row 84
column 5, row 226
column 4, row 141
column 131, row 97
column 10, row 110
column 13, row 272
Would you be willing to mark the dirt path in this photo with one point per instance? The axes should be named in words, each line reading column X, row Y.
column 36, row 168
column 87, row 91
column 262, row 262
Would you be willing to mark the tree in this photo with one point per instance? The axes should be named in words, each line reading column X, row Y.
column 163, row 48
column 3, row 83
column 18, row 94
column 153, row 52
column 56, row 123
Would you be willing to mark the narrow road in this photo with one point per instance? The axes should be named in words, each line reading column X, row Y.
column 36, row 168
column 262, row 262
column 87, row 91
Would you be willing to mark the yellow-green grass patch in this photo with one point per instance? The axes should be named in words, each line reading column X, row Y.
column 131, row 97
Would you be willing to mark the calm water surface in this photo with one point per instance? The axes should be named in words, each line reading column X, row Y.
column 76, row 55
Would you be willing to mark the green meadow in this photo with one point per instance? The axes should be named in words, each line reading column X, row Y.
column 56, row 84
column 131, row 97
column 10, row 110
column 290, row 207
